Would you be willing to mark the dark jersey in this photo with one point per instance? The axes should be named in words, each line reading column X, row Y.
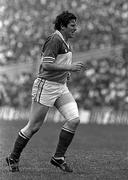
column 55, row 50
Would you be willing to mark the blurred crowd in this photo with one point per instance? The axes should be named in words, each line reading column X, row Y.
column 16, row 93
column 104, row 83
column 24, row 26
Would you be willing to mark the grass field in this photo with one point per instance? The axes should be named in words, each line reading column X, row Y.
column 98, row 152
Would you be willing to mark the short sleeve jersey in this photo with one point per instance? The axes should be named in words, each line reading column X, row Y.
column 55, row 50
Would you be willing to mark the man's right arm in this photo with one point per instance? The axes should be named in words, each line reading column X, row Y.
column 63, row 67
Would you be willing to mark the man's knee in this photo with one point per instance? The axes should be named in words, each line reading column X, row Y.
column 30, row 130
column 72, row 124
column 34, row 129
column 75, row 122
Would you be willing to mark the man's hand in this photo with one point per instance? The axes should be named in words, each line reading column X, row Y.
column 78, row 66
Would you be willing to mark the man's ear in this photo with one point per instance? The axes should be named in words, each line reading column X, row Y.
column 62, row 27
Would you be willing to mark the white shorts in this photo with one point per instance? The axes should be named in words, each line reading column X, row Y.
column 51, row 93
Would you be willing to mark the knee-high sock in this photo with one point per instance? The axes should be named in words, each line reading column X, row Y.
column 19, row 145
column 65, row 139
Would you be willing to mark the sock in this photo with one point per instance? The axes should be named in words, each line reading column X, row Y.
column 19, row 145
column 65, row 139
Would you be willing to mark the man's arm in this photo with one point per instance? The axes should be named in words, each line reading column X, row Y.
column 63, row 67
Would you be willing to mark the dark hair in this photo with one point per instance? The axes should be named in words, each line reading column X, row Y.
column 63, row 19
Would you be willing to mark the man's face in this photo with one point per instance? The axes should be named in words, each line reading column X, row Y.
column 70, row 29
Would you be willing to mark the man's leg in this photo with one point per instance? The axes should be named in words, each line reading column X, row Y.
column 37, row 116
column 66, row 136
column 68, row 108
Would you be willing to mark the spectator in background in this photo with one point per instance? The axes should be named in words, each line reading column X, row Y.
column 4, row 99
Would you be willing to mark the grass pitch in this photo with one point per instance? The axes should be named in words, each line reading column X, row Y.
column 98, row 152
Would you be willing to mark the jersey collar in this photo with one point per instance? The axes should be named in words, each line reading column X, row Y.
column 61, row 36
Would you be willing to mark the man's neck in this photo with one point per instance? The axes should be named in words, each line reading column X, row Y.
column 64, row 36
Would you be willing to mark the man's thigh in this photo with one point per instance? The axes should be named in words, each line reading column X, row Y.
column 67, row 106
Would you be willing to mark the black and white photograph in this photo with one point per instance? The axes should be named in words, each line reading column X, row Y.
column 63, row 90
